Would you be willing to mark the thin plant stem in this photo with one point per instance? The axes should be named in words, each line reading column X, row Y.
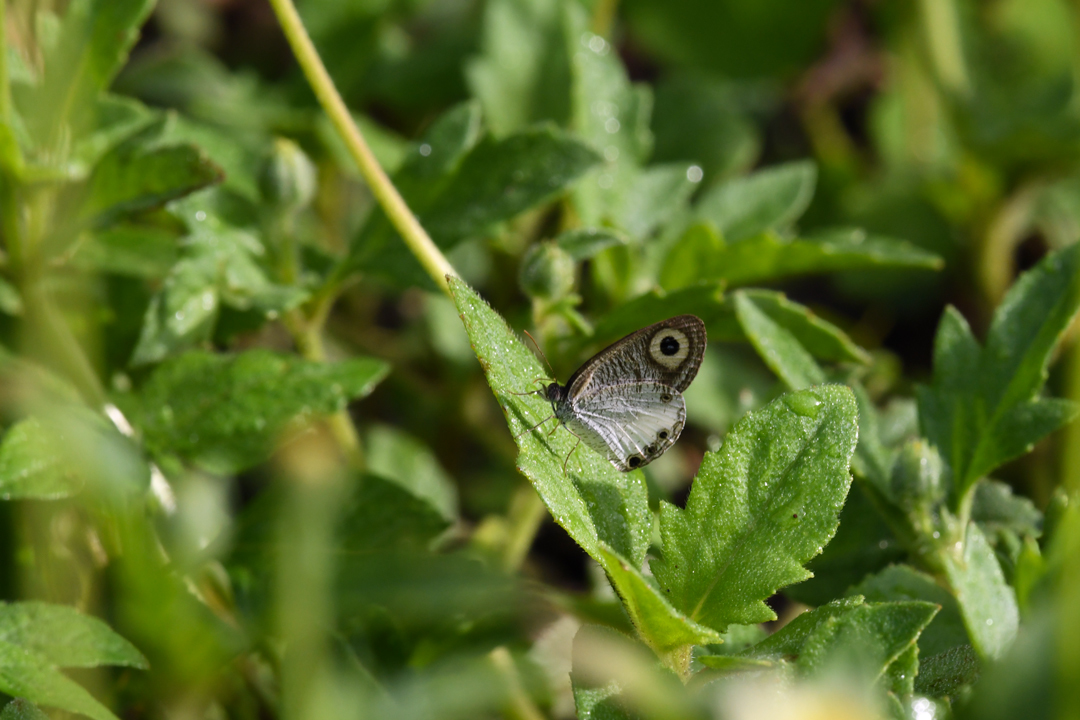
column 519, row 705
column 526, row 513
column 307, row 334
column 416, row 238
column 5, row 83
column 604, row 16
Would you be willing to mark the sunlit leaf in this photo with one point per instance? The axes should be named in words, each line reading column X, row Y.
column 759, row 509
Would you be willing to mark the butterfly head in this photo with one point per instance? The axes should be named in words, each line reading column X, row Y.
column 555, row 392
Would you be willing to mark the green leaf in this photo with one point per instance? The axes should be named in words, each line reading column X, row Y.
column 705, row 301
column 95, row 38
column 945, row 673
column 823, row 339
column 654, row 197
column 873, row 459
column 226, row 412
column 27, row 675
column 759, row 508
column 661, row 626
column 784, row 355
column 583, row 243
column 787, row 642
column 702, row 119
column 65, row 636
column 221, row 264
column 996, row 508
column 133, row 250
column 402, row 458
column 869, row 636
column 67, row 447
column 819, row 336
column 613, row 114
column 902, row 582
column 691, row 260
column 591, row 500
column 523, row 72
column 769, row 199
column 987, row 603
column 733, row 663
column 500, row 178
column 183, row 313
column 145, row 172
column 700, row 254
column 605, row 511
column 19, row 709
column 30, row 467
column 599, row 703
column 369, row 527
column 863, row 545
column 116, row 118
column 982, row 408
column 493, row 181
column 901, row 673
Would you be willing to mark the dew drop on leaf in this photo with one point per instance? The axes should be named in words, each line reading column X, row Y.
column 803, row 404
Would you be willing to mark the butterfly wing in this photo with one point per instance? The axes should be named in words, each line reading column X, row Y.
column 631, row 424
column 669, row 352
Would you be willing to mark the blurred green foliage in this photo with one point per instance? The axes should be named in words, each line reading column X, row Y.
column 249, row 463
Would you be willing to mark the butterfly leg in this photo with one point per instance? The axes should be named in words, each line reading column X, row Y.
column 569, row 454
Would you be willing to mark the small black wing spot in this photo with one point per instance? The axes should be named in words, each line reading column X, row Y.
column 633, row 461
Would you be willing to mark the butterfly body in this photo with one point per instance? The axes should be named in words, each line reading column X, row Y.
column 626, row 402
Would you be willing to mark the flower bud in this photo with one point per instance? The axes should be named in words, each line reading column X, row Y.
column 918, row 476
column 547, row 271
column 287, row 177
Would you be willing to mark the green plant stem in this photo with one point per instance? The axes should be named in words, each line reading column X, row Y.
column 403, row 220
column 316, row 484
column 526, row 513
column 941, row 25
column 307, row 334
column 519, row 705
column 1070, row 456
column 604, row 16
column 5, row 83
column 1005, row 230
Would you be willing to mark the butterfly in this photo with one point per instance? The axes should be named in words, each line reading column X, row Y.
column 626, row 401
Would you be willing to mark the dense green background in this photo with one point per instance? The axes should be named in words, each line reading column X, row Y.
column 252, row 466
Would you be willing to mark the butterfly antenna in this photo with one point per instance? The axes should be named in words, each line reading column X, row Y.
column 531, row 392
column 549, row 417
column 541, row 353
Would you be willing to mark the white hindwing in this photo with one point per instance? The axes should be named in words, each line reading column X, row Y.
column 631, row 424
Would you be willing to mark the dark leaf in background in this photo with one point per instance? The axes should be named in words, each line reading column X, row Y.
column 461, row 187
column 226, row 412
column 732, row 38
